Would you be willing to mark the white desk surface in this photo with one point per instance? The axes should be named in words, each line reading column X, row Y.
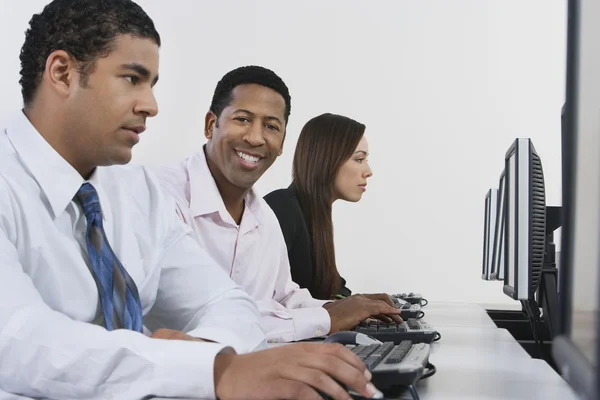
column 456, row 315
column 495, row 379
column 477, row 361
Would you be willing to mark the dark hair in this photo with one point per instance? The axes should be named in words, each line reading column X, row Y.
column 86, row 29
column 246, row 75
column 326, row 142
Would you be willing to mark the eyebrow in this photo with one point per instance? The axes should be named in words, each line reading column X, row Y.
column 251, row 113
column 141, row 70
column 361, row 151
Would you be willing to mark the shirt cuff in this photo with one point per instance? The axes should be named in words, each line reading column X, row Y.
column 185, row 368
column 310, row 322
column 249, row 342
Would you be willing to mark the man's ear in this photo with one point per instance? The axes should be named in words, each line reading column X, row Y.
column 61, row 72
column 282, row 142
column 210, row 122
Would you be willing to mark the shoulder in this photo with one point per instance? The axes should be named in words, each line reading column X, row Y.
column 286, row 207
column 280, row 196
column 153, row 211
column 284, row 202
column 136, row 183
column 174, row 179
column 15, row 184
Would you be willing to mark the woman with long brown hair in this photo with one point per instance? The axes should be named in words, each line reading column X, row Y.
column 330, row 163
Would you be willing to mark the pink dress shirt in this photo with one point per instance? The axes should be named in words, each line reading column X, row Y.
column 254, row 253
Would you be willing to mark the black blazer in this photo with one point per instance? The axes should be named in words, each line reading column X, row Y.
column 286, row 206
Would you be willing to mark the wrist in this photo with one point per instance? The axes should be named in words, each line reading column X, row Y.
column 222, row 363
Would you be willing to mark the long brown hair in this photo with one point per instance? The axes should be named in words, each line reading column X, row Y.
column 326, row 142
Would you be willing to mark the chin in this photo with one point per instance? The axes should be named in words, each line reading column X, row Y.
column 353, row 198
column 243, row 183
column 121, row 158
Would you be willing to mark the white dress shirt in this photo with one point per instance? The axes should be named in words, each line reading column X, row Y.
column 254, row 253
column 48, row 297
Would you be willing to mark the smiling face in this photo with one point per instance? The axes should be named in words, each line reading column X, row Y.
column 351, row 180
column 247, row 138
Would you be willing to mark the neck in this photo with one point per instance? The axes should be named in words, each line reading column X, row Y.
column 50, row 123
column 232, row 196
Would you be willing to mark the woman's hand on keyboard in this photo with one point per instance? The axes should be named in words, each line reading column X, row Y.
column 295, row 371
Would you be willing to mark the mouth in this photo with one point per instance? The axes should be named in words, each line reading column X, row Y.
column 249, row 160
column 363, row 187
column 134, row 132
column 137, row 129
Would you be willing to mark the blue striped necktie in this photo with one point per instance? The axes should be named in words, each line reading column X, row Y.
column 119, row 298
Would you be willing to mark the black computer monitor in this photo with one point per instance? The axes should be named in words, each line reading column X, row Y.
column 498, row 260
column 576, row 349
column 525, row 230
column 489, row 232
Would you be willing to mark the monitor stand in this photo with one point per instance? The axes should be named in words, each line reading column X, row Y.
column 548, row 292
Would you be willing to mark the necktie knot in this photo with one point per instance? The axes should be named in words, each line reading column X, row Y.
column 88, row 198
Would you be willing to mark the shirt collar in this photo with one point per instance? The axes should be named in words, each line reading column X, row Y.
column 58, row 180
column 205, row 197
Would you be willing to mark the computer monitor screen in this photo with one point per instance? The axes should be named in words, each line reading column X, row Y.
column 576, row 349
column 498, row 266
column 489, row 232
column 525, row 220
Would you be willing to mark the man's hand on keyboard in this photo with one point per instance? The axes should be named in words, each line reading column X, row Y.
column 345, row 314
column 295, row 371
column 381, row 296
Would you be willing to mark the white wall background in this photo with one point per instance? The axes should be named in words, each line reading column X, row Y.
column 443, row 87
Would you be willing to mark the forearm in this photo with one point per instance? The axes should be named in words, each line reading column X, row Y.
column 282, row 324
column 46, row 354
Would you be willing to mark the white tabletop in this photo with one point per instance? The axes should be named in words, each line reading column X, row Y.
column 457, row 315
column 477, row 361
column 495, row 379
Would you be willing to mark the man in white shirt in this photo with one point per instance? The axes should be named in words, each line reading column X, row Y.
column 92, row 255
column 213, row 189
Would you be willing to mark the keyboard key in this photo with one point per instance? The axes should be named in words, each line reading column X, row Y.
column 370, row 349
column 367, row 331
column 372, row 361
column 358, row 349
column 387, row 329
column 413, row 324
column 399, row 352
column 383, row 349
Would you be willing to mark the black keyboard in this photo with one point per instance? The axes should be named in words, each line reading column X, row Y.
column 411, row 329
column 392, row 364
column 412, row 298
column 408, row 310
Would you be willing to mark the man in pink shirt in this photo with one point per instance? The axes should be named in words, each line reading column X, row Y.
column 213, row 189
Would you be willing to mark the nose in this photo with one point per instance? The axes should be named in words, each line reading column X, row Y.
column 147, row 104
column 254, row 135
column 368, row 172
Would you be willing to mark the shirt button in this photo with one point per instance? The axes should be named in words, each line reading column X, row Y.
column 319, row 332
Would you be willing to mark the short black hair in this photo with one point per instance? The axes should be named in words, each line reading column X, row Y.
column 246, row 75
column 86, row 29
